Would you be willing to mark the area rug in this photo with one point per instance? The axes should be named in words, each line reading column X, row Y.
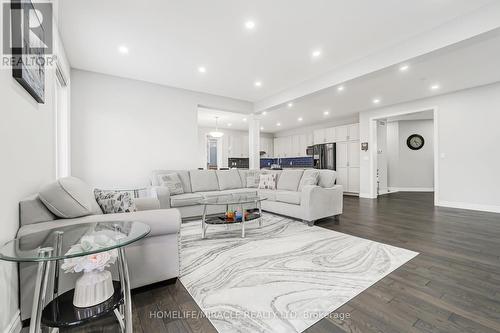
column 283, row 277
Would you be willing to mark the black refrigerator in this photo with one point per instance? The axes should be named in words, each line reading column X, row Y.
column 325, row 156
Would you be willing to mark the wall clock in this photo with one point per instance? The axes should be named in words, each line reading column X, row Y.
column 415, row 142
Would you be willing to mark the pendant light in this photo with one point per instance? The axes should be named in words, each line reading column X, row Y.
column 216, row 133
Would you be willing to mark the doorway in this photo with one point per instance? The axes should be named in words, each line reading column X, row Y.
column 211, row 153
column 405, row 152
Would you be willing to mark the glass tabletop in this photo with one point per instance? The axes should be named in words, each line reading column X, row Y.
column 231, row 199
column 70, row 241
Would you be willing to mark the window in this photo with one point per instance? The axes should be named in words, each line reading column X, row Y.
column 62, row 127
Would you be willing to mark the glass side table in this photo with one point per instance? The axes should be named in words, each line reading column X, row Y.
column 50, row 246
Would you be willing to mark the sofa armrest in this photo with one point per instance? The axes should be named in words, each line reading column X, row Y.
column 146, row 204
column 161, row 221
column 319, row 202
column 162, row 194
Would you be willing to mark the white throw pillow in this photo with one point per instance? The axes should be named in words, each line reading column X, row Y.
column 268, row 181
column 310, row 177
column 173, row 182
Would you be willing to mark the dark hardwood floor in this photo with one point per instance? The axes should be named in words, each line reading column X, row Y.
column 453, row 285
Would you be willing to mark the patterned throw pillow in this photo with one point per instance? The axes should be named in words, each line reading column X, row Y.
column 253, row 179
column 268, row 181
column 173, row 182
column 114, row 201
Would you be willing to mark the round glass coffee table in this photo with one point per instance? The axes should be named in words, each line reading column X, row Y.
column 51, row 246
column 249, row 205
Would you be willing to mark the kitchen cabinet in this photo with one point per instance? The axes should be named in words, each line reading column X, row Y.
column 348, row 165
column 319, row 136
column 353, row 132
column 341, row 133
column 266, row 145
column 330, row 135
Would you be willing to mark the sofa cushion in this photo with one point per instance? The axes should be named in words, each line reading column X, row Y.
column 327, row 178
column 183, row 175
column 69, row 197
column 114, row 201
column 203, row 180
column 310, row 177
column 291, row 197
column 289, row 180
column 229, row 179
column 173, row 182
column 186, row 199
column 250, row 178
column 268, row 181
column 270, row 195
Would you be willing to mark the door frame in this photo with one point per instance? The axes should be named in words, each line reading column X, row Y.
column 374, row 148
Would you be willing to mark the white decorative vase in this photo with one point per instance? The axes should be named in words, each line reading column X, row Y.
column 92, row 288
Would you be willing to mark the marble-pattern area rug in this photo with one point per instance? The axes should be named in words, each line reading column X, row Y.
column 283, row 277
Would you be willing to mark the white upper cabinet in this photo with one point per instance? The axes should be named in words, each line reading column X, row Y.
column 353, row 132
column 319, row 136
column 341, row 133
column 330, row 135
column 295, row 151
column 302, row 145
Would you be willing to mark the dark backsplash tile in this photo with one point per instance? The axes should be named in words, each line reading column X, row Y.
column 288, row 162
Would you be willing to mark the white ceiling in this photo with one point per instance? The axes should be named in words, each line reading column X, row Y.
column 228, row 120
column 169, row 40
column 471, row 63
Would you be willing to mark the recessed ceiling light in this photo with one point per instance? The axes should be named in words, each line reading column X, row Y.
column 376, row 101
column 300, row 119
column 229, row 124
column 278, row 124
column 123, row 49
column 326, row 113
column 316, row 53
column 264, row 113
column 244, row 119
column 258, row 83
column 404, row 68
column 435, row 87
column 290, row 104
column 250, row 25
column 202, row 69
column 340, row 88
column 262, row 128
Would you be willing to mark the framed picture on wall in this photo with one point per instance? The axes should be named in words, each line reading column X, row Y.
column 28, row 48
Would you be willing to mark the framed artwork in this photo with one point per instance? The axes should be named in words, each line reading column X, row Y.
column 28, row 68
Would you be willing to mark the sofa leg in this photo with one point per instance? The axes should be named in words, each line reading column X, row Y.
column 309, row 223
column 336, row 219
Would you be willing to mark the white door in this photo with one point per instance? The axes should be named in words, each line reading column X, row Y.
column 342, row 155
column 341, row 133
column 342, row 177
column 353, row 180
column 354, row 151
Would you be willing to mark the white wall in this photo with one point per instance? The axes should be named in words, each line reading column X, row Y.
column 27, row 139
column 122, row 129
column 468, row 137
column 410, row 170
column 382, row 155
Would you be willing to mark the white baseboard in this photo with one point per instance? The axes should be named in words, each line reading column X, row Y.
column 15, row 325
column 469, row 206
column 366, row 196
column 411, row 189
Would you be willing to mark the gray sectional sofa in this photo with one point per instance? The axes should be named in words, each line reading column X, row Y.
column 291, row 197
